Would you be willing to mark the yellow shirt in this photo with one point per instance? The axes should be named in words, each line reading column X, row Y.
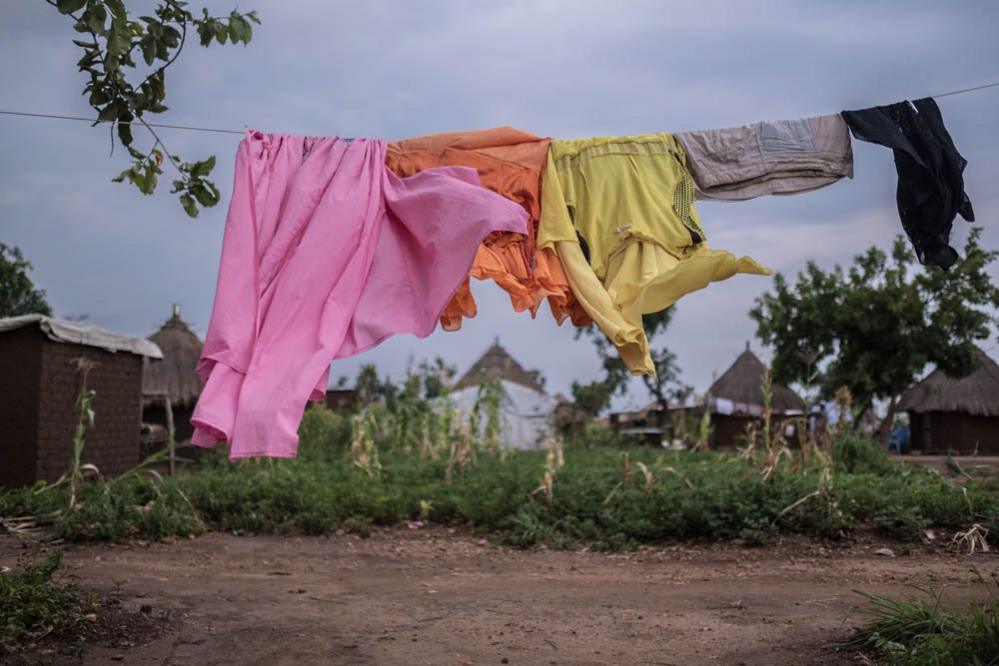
column 631, row 200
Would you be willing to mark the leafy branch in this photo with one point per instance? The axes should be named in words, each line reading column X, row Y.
column 111, row 44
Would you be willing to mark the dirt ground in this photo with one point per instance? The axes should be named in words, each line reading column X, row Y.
column 432, row 596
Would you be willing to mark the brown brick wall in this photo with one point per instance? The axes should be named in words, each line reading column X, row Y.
column 20, row 365
column 951, row 432
column 113, row 443
column 38, row 388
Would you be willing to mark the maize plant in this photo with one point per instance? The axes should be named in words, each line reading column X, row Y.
column 462, row 453
column 547, row 487
column 556, row 456
column 363, row 451
column 84, row 422
column 427, row 449
column 488, row 400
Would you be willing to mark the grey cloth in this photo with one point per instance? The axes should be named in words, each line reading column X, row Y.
column 779, row 157
column 83, row 334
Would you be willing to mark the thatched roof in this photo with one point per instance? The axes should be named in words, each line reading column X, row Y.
column 978, row 393
column 497, row 364
column 742, row 383
column 174, row 375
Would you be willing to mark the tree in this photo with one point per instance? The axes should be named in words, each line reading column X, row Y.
column 111, row 44
column 875, row 327
column 665, row 387
column 18, row 294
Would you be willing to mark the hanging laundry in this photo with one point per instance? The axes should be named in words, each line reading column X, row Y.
column 930, row 190
column 631, row 201
column 779, row 157
column 509, row 162
column 326, row 253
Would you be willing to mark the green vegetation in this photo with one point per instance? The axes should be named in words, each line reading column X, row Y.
column 35, row 606
column 930, row 631
column 18, row 294
column 874, row 326
column 124, row 91
column 601, row 496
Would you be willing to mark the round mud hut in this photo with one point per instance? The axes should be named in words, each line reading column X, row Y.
column 948, row 415
column 173, row 377
column 736, row 400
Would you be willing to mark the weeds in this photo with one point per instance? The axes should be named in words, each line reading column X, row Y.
column 33, row 605
column 930, row 631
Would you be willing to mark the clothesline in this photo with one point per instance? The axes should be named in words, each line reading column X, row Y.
column 190, row 128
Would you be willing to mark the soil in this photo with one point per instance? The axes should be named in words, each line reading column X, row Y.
column 436, row 596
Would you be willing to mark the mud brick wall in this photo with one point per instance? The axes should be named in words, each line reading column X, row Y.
column 50, row 381
column 952, row 432
column 20, row 373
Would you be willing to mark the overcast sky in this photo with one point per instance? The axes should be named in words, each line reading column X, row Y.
column 564, row 68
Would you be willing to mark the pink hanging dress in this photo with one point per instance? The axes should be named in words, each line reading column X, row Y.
column 326, row 253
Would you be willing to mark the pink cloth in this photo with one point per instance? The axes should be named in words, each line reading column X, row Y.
column 326, row 253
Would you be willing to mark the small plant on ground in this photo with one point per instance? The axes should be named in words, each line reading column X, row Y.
column 930, row 630
column 35, row 605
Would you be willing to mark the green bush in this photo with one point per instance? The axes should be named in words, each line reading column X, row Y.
column 857, row 454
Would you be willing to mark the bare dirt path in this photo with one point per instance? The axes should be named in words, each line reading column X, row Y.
column 434, row 597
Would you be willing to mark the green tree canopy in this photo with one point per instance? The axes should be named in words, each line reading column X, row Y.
column 123, row 92
column 875, row 326
column 18, row 294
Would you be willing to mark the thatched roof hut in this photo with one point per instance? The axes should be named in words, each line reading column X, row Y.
column 174, row 376
column 955, row 414
column 497, row 364
column 978, row 393
column 742, row 384
column 525, row 408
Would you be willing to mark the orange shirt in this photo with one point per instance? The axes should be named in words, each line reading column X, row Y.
column 510, row 162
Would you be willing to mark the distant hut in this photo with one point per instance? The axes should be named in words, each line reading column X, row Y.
column 342, row 400
column 955, row 415
column 736, row 399
column 174, row 377
column 42, row 364
column 525, row 406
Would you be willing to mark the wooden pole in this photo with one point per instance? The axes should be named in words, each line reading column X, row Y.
column 171, row 444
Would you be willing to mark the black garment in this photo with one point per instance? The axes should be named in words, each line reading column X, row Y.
column 930, row 183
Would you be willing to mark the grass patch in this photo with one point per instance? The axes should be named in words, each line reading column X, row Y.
column 928, row 631
column 34, row 605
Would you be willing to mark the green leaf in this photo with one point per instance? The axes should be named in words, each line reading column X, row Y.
column 110, row 112
column 189, row 206
column 125, row 133
column 205, row 33
column 96, row 17
column 247, row 30
column 70, row 6
column 221, row 33
column 117, row 8
column 205, row 197
column 203, row 168
column 98, row 97
column 122, row 176
column 148, row 50
column 85, row 45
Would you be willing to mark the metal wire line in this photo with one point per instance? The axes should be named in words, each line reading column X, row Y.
column 190, row 128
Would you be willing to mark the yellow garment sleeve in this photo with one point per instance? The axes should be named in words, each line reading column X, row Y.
column 555, row 231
